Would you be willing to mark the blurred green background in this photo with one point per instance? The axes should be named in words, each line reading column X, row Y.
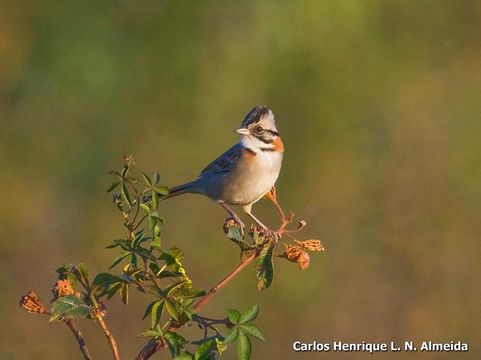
column 379, row 106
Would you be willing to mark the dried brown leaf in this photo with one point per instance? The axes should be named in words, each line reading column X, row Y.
column 32, row 303
column 292, row 252
column 312, row 245
column 303, row 260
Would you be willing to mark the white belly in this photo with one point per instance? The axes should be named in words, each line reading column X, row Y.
column 249, row 181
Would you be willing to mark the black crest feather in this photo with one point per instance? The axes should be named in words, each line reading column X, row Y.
column 255, row 115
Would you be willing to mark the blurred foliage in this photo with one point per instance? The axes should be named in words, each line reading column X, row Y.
column 378, row 103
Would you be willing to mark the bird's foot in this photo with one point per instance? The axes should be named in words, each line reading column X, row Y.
column 274, row 235
column 269, row 234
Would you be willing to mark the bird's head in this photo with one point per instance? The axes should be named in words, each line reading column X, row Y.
column 259, row 126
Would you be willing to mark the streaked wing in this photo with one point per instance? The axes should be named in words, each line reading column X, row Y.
column 225, row 162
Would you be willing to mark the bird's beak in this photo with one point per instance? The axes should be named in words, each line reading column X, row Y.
column 242, row 131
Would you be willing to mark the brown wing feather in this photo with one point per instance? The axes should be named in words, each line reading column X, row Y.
column 225, row 162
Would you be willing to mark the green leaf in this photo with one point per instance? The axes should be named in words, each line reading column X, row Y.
column 144, row 253
column 244, row 348
column 156, row 178
column 169, row 290
column 150, row 333
column 233, row 315
column 119, row 258
column 184, row 356
column 145, row 207
column 162, row 190
column 138, row 239
column 103, row 280
column 204, row 350
column 152, row 222
column 69, row 307
column 148, row 310
column 156, row 269
column 124, row 170
column 114, row 173
column 113, row 186
column 177, row 253
column 155, row 243
column 257, row 239
column 133, row 260
column 126, row 195
column 112, row 290
column 124, row 294
column 265, row 268
column 252, row 330
column 249, row 315
column 146, row 179
column 231, row 336
column 156, row 215
column 155, row 200
column 156, row 231
column 234, row 233
column 83, row 270
column 175, row 342
column 157, row 309
column 187, row 293
column 124, row 244
column 170, row 307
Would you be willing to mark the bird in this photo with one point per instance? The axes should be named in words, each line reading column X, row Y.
column 244, row 173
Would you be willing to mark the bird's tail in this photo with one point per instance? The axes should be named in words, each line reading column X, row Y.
column 181, row 189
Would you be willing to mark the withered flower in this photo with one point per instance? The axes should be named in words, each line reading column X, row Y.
column 32, row 303
column 62, row 288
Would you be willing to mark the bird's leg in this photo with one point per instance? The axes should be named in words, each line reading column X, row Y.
column 272, row 196
column 233, row 215
column 248, row 210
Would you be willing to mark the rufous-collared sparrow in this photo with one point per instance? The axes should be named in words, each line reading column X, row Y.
column 247, row 171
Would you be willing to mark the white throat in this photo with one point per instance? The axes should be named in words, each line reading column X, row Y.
column 253, row 143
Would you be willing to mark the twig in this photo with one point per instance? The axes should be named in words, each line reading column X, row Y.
column 151, row 348
column 108, row 334
column 98, row 316
column 78, row 335
column 207, row 297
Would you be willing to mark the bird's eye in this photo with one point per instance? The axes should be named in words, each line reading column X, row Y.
column 258, row 129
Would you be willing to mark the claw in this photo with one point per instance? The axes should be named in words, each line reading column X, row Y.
column 273, row 235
